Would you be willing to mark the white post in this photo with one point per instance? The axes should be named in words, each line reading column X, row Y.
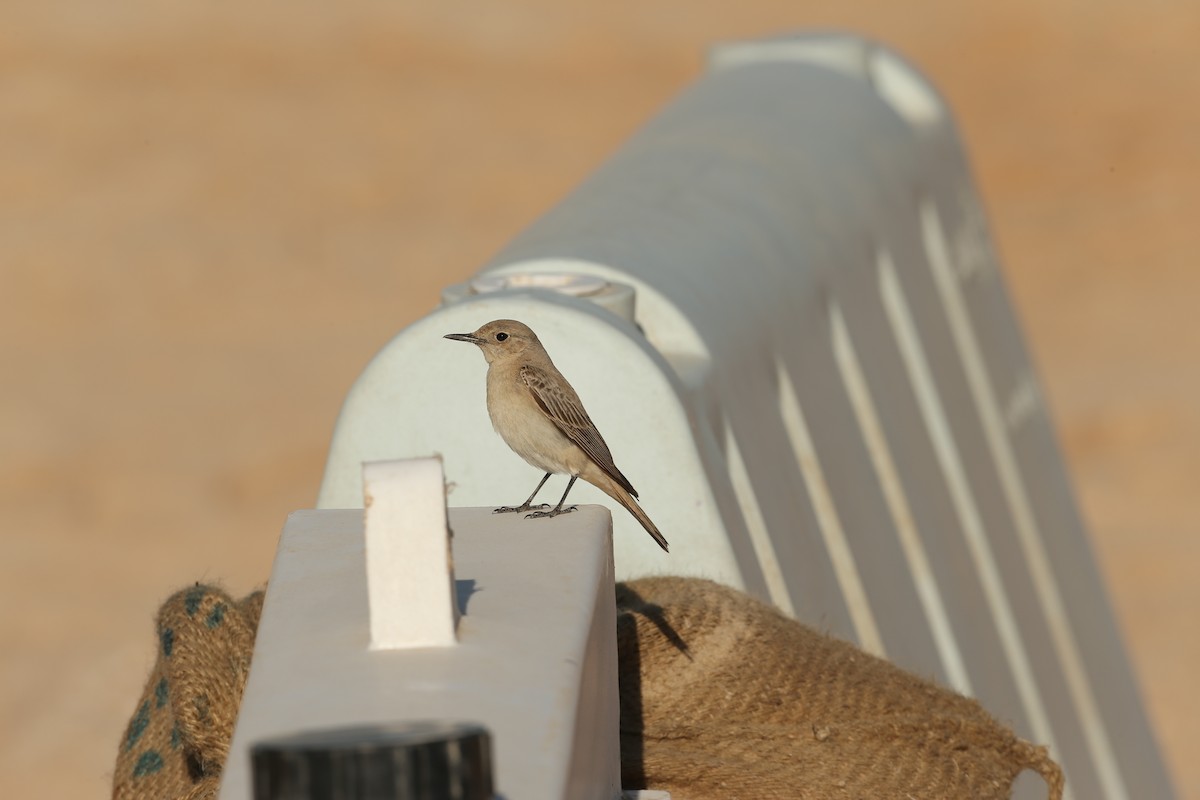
column 410, row 571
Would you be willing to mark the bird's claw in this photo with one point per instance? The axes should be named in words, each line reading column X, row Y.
column 511, row 509
column 554, row 512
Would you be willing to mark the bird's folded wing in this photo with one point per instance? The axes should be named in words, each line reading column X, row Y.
column 555, row 397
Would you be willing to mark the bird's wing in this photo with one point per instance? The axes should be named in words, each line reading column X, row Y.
column 555, row 397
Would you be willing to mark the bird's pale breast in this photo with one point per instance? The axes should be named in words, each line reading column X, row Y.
column 525, row 428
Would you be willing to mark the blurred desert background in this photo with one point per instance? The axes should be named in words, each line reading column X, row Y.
column 213, row 214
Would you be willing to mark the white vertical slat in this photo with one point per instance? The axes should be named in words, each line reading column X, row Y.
column 1027, row 533
column 756, row 526
column 844, row 567
column 961, row 496
column 893, row 492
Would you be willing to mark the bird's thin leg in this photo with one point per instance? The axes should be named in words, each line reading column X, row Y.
column 526, row 505
column 558, row 509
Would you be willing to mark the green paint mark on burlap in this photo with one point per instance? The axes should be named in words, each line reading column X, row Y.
column 191, row 600
column 167, row 637
column 216, row 615
column 160, row 694
column 137, row 725
column 148, row 763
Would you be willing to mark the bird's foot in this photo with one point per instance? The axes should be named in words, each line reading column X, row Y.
column 554, row 512
column 511, row 509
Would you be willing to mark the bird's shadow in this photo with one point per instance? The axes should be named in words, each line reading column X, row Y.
column 630, row 604
column 463, row 589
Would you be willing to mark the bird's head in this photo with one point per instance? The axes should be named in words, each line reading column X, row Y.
column 500, row 339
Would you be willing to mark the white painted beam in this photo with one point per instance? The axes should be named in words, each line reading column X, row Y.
column 536, row 660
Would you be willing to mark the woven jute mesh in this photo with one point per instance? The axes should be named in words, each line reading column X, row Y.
column 724, row 697
column 721, row 697
column 177, row 739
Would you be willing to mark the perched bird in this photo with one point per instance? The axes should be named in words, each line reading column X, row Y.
column 540, row 417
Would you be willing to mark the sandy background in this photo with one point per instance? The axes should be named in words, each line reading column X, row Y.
column 213, row 214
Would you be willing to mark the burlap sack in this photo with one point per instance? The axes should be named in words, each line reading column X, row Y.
column 177, row 740
column 723, row 697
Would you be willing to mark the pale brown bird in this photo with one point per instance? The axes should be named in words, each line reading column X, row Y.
column 540, row 417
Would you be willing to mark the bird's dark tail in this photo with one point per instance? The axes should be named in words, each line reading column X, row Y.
column 617, row 492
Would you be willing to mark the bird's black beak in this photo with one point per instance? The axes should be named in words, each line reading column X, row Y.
column 464, row 337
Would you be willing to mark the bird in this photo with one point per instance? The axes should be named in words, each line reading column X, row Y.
column 538, row 414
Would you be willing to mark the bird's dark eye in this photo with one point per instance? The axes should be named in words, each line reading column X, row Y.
column 500, row 337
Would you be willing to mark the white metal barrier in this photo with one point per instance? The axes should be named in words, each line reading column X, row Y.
column 779, row 304
column 361, row 627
